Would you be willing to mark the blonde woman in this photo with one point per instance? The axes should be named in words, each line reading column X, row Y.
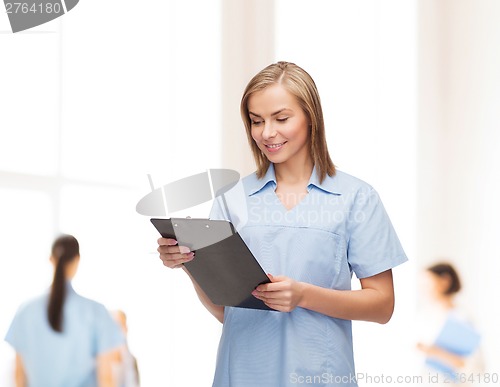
column 310, row 227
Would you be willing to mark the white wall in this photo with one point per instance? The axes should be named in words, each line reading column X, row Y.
column 459, row 148
column 247, row 47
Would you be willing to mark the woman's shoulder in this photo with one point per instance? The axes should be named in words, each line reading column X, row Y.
column 33, row 304
column 88, row 302
column 347, row 179
column 88, row 310
column 344, row 183
column 85, row 303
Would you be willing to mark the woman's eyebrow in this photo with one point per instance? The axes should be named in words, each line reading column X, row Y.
column 273, row 114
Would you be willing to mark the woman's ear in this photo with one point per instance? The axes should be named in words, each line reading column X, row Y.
column 443, row 283
column 447, row 281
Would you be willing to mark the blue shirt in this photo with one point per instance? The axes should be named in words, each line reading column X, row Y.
column 66, row 359
column 338, row 228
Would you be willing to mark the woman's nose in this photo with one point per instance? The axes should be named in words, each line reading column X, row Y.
column 268, row 131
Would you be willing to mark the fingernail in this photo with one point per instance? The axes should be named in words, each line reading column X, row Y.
column 184, row 249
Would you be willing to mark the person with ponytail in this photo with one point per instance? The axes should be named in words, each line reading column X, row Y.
column 62, row 339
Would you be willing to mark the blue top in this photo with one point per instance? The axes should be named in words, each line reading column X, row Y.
column 338, row 228
column 66, row 359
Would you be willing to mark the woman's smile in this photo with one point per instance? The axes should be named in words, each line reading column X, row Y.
column 274, row 147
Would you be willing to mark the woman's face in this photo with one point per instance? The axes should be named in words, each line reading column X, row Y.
column 279, row 126
column 436, row 285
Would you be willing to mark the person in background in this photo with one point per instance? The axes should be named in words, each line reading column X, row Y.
column 62, row 339
column 451, row 347
column 125, row 365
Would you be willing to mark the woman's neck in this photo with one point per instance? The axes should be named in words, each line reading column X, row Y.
column 446, row 302
column 293, row 172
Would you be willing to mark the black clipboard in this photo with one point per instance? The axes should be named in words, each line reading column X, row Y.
column 223, row 265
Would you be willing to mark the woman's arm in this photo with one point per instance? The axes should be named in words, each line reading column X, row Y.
column 105, row 377
column 216, row 310
column 20, row 374
column 453, row 360
column 374, row 302
column 173, row 256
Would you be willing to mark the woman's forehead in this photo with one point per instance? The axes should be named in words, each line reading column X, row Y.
column 272, row 99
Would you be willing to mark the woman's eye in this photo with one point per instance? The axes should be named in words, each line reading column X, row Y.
column 256, row 122
column 282, row 119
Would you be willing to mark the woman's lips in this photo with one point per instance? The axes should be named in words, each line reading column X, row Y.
column 274, row 147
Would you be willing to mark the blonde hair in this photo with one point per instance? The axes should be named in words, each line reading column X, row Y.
column 300, row 84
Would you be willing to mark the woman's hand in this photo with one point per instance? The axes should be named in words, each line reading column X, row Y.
column 433, row 351
column 283, row 294
column 173, row 256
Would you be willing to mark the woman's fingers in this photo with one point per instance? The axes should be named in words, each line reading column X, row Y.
column 273, row 295
column 167, row 242
column 173, row 256
column 173, row 249
column 175, row 263
column 176, row 260
column 282, row 293
column 279, row 307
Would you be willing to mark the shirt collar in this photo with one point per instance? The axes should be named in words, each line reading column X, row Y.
column 328, row 184
column 258, row 184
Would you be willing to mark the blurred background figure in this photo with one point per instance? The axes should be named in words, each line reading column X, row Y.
column 450, row 342
column 62, row 339
column 125, row 364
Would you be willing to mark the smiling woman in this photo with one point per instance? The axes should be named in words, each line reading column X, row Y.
column 292, row 97
column 282, row 118
column 310, row 259
column 279, row 126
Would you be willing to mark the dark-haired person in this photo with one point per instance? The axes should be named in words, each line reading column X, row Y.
column 311, row 227
column 443, row 285
column 62, row 339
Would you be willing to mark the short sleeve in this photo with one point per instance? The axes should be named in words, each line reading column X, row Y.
column 16, row 335
column 108, row 334
column 373, row 246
